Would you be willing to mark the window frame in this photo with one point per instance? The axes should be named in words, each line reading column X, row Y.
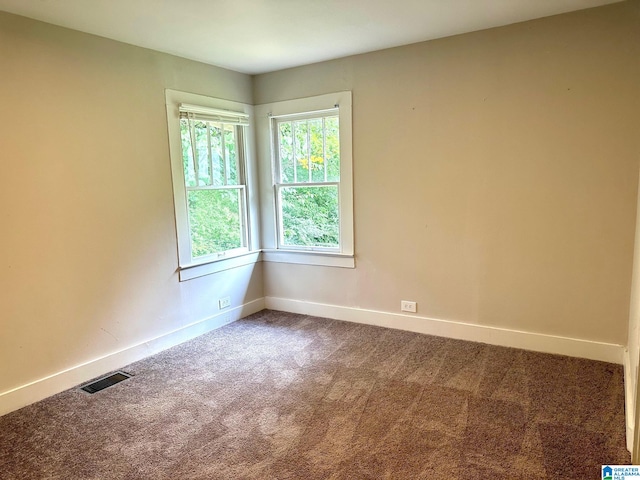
column 189, row 266
column 309, row 107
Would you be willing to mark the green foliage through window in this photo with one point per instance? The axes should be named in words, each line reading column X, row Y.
column 309, row 175
column 215, row 193
column 309, row 150
column 310, row 216
column 214, row 220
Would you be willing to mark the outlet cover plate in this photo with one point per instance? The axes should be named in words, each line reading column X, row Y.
column 224, row 302
column 407, row 306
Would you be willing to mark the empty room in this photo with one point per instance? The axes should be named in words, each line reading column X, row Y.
column 295, row 239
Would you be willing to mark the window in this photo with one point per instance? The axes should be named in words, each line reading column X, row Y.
column 209, row 167
column 307, row 180
column 212, row 153
column 311, row 201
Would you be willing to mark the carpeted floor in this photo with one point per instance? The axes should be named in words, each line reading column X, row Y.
column 283, row 396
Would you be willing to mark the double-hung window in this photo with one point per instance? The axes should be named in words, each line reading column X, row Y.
column 209, row 169
column 307, row 180
column 308, row 199
column 213, row 160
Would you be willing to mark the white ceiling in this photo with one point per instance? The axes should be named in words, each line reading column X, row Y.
column 257, row 36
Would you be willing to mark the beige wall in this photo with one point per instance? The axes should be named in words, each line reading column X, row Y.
column 87, row 243
column 495, row 183
column 495, row 175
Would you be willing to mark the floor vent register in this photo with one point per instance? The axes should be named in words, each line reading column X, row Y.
column 105, row 382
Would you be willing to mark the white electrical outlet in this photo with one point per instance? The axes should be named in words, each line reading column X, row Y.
column 407, row 306
column 224, row 302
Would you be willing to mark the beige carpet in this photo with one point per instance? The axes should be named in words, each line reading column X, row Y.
column 283, row 396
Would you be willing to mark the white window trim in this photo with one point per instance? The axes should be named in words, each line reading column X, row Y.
column 189, row 272
column 187, row 267
column 325, row 259
column 264, row 113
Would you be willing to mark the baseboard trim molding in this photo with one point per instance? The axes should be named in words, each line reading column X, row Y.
column 573, row 347
column 629, row 407
column 45, row 387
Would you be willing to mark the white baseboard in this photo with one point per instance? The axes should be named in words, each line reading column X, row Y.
column 573, row 347
column 629, row 407
column 32, row 392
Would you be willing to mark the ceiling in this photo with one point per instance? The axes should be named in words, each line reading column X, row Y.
column 257, row 36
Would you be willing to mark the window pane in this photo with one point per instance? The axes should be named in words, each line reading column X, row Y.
column 187, row 154
column 301, row 151
column 215, row 220
column 317, row 150
column 202, row 152
column 332, row 149
column 310, row 216
column 232, row 157
column 285, row 141
column 216, row 154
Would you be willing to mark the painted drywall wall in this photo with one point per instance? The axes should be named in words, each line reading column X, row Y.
column 88, row 244
column 495, row 175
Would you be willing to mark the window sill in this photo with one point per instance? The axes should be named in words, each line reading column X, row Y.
column 309, row 258
column 187, row 272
